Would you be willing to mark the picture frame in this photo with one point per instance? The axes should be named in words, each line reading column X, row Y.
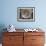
column 26, row 14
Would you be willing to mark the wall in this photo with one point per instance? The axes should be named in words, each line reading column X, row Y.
column 8, row 13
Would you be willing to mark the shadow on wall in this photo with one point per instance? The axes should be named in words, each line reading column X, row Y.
column 2, row 26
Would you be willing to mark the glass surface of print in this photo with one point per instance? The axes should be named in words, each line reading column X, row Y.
column 26, row 14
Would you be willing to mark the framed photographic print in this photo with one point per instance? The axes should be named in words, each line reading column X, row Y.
column 26, row 14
